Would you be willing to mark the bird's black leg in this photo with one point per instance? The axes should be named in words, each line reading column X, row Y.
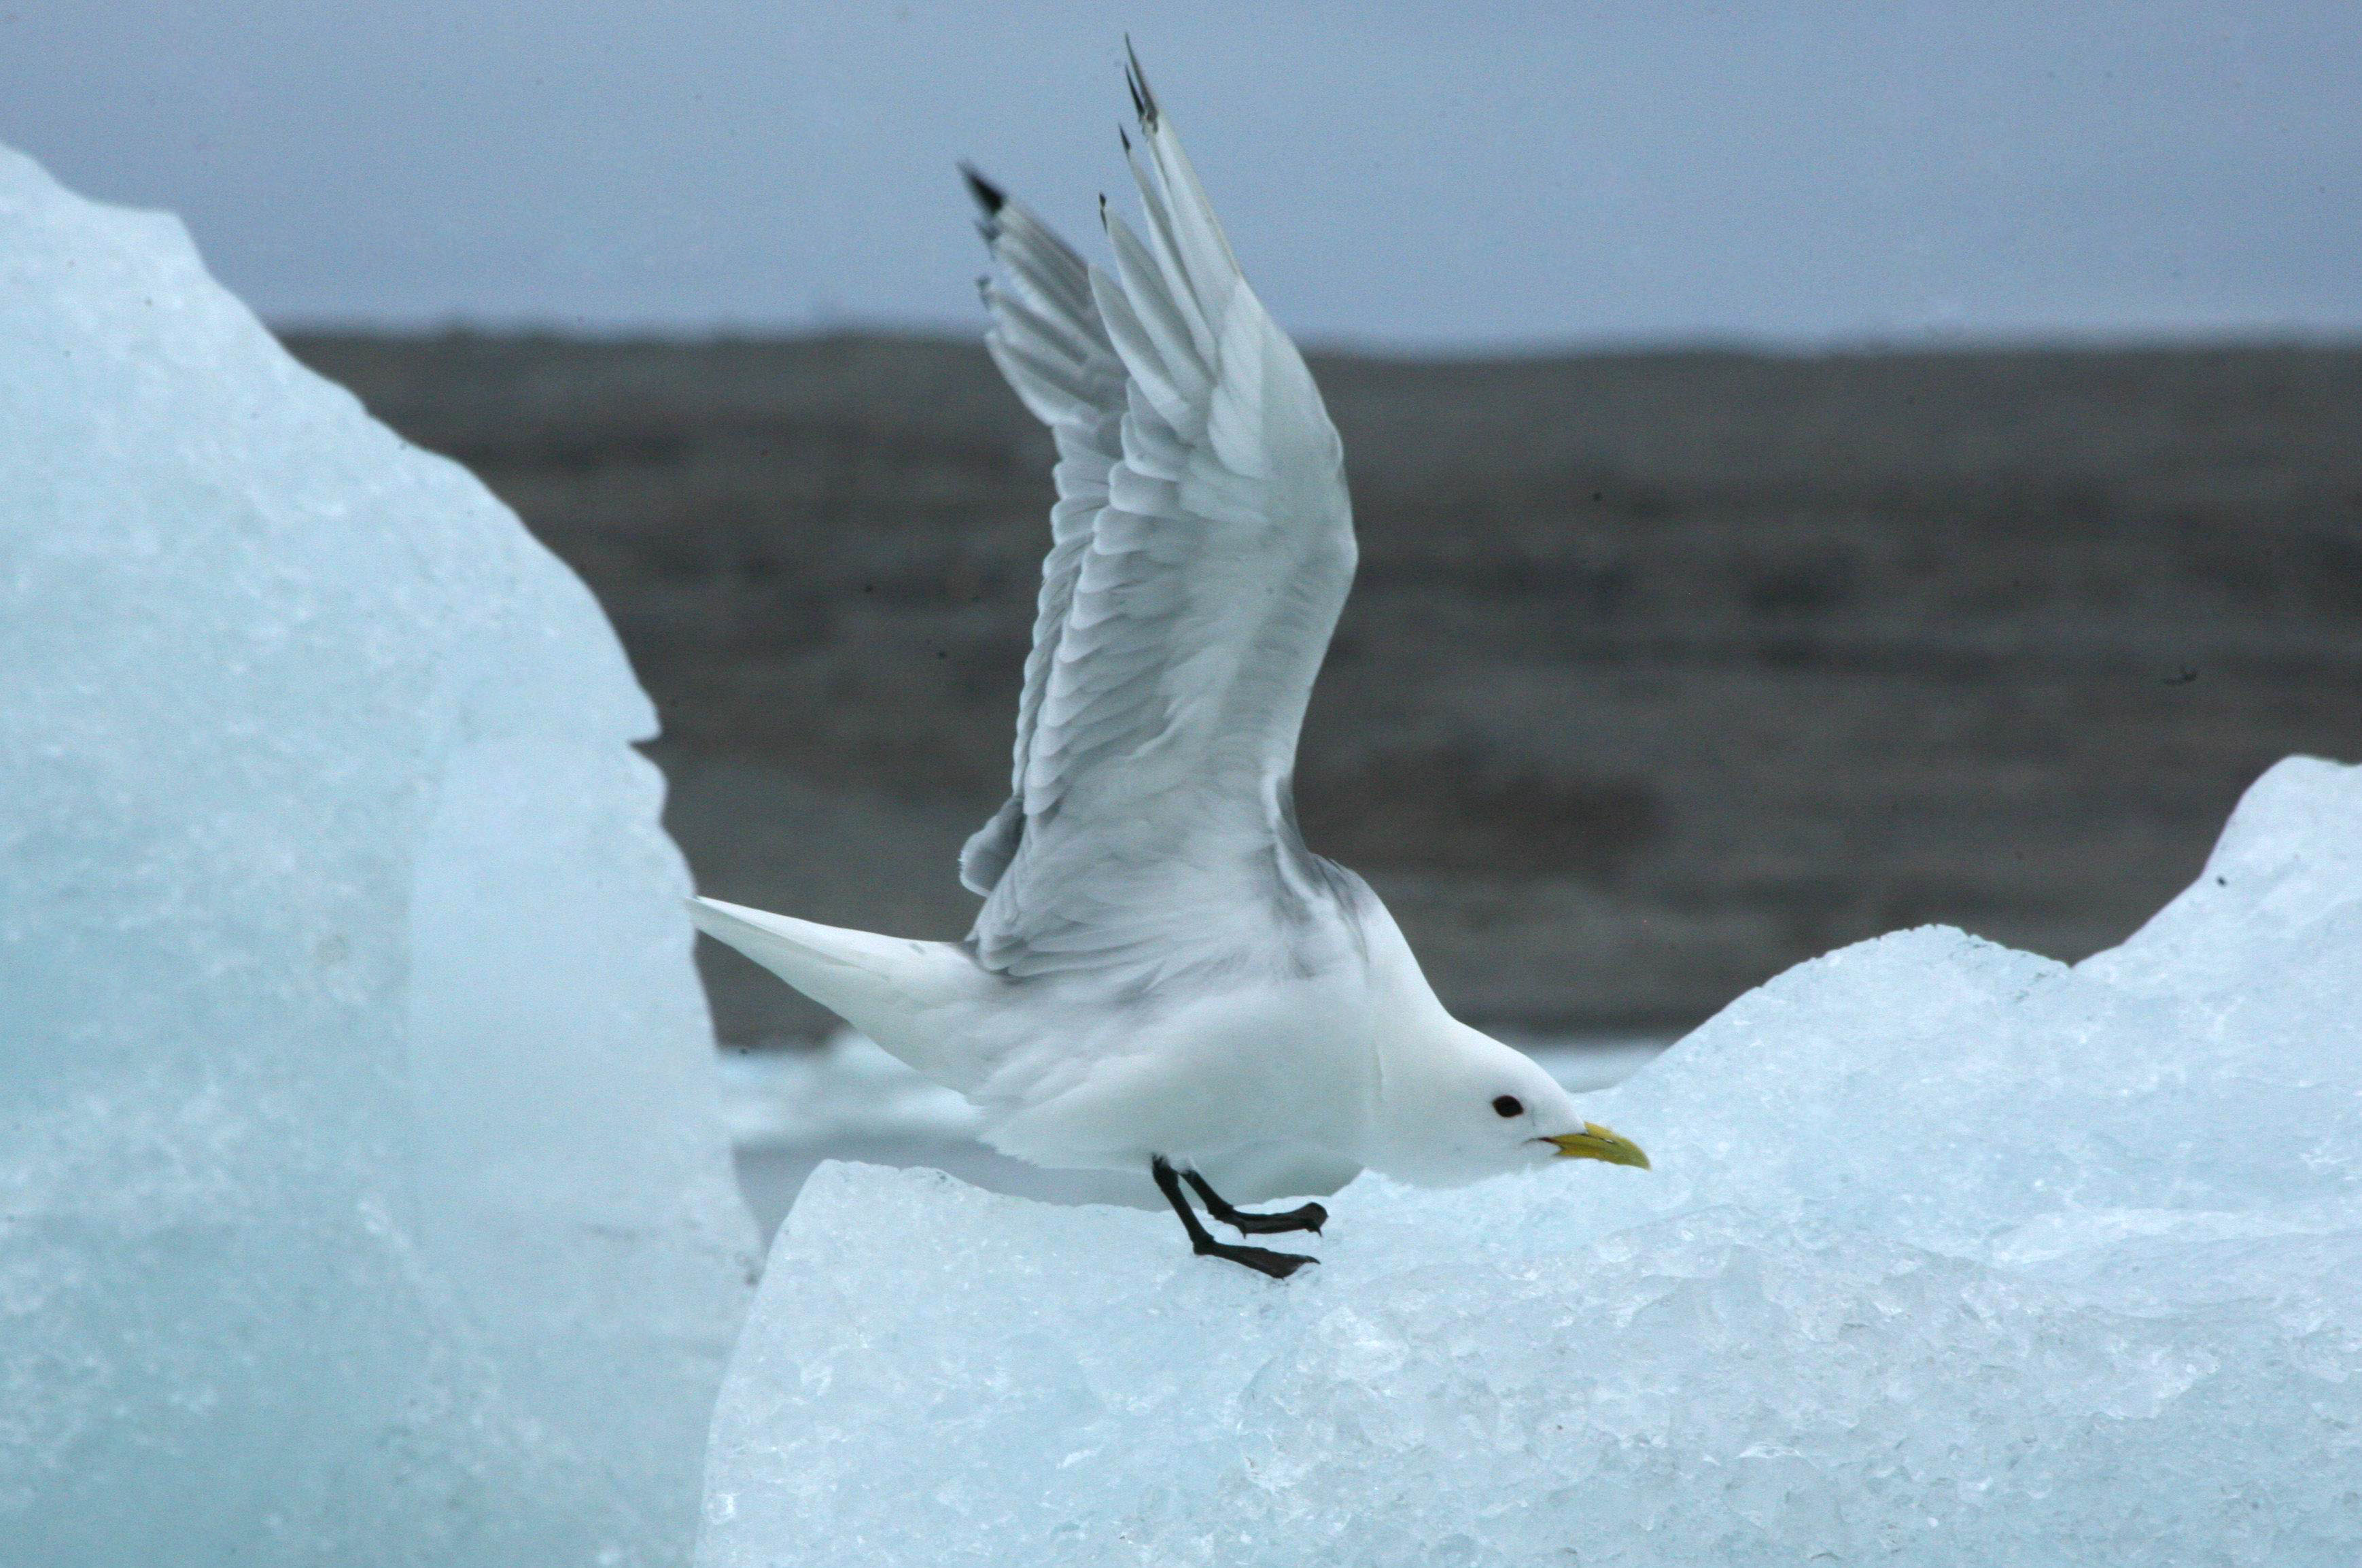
column 1311, row 1217
column 1279, row 1265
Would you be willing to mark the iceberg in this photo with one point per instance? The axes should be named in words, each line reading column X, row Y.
column 363, row 1198
column 1952, row 1255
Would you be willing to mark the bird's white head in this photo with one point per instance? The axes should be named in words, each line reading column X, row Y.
column 1456, row 1106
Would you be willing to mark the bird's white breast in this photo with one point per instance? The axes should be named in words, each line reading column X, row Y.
column 1199, row 1077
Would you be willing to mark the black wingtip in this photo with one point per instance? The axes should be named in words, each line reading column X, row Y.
column 1135, row 79
column 988, row 196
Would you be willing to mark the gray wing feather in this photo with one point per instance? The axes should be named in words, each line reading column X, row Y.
column 1048, row 342
column 1201, row 549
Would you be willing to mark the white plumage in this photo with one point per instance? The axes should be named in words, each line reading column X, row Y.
column 1162, row 971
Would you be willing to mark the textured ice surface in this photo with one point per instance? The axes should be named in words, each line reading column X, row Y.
column 1952, row 1254
column 361, row 1196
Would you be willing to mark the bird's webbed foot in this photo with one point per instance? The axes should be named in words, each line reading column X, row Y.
column 1263, row 1260
column 1310, row 1217
column 1278, row 1265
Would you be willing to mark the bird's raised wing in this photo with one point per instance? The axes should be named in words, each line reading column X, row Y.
column 1201, row 546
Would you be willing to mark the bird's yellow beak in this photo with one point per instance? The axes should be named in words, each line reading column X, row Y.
column 1596, row 1143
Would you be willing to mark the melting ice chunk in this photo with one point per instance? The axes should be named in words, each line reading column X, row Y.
column 1951, row 1255
column 362, row 1198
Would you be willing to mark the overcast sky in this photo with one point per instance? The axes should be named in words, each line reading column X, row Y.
column 1409, row 175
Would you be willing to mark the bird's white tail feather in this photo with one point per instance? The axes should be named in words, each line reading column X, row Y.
column 895, row 990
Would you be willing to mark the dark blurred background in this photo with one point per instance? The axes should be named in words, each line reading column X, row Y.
column 1663, row 671
column 1820, row 467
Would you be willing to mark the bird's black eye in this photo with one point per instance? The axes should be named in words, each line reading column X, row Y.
column 1507, row 1105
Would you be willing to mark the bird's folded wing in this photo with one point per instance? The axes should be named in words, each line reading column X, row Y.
column 1201, row 547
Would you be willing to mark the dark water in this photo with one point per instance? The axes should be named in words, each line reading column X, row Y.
column 1663, row 671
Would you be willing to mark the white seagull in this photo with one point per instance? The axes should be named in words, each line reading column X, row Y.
column 1162, row 974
